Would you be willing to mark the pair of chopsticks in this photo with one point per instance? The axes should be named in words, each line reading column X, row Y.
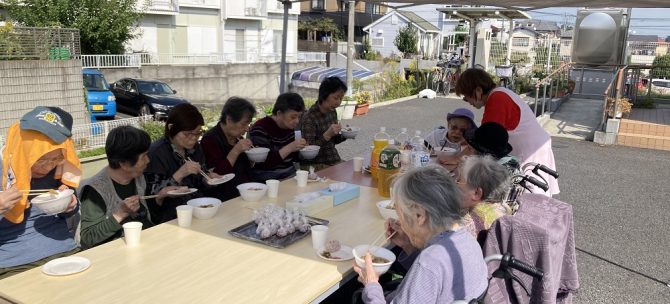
column 375, row 244
column 203, row 173
column 40, row 191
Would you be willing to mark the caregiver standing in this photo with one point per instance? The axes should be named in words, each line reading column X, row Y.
column 530, row 142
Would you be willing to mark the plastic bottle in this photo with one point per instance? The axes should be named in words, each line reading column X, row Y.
column 402, row 139
column 389, row 165
column 381, row 140
column 420, row 156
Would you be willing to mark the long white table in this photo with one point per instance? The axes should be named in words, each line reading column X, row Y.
column 204, row 264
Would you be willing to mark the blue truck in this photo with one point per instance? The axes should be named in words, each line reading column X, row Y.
column 101, row 101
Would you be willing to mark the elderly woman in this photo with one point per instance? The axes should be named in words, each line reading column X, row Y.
column 319, row 124
column 39, row 154
column 176, row 160
column 529, row 140
column 484, row 183
column 450, row 265
column 112, row 197
column 276, row 133
column 224, row 146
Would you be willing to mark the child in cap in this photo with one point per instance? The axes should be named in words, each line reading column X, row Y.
column 458, row 122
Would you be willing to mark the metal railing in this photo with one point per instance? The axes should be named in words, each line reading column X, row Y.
column 111, row 61
column 557, row 80
column 33, row 43
column 140, row 59
column 613, row 92
column 94, row 135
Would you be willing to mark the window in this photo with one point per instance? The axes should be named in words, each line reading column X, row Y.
column 318, row 4
column 394, row 19
column 521, row 41
column 566, row 42
column 379, row 42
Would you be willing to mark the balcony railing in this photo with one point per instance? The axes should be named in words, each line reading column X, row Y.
column 169, row 7
column 143, row 59
column 111, row 61
column 201, row 3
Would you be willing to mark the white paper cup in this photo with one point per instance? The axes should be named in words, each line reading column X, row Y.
column 184, row 215
column 273, row 187
column 301, row 176
column 358, row 164
column 132, row 231
column 319, row 236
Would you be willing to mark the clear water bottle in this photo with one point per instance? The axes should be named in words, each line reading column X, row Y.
column 420, row 156
column 402, row 140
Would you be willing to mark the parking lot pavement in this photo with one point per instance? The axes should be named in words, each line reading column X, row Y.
column 620, row 197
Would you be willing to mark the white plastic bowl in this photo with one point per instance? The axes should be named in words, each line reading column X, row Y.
column 203, row 213
column 309, row 152
column 386, row 212
column 257, row 154
column 380, row 268
column 52, row 204
column 250, row 195
column 350, row 132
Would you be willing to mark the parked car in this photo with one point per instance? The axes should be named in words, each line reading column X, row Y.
column 101, row 101
column 145, row 97
column 661, row 86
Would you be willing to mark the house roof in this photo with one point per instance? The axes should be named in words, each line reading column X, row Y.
column 541, row 26
column 535, row 4
column 643, row 38
column 416, row 19
column 567, row 33
column 410, row 17
column 484, row 12
column 518, row 29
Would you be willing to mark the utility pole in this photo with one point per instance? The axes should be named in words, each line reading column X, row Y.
column 350, row 47
column 282, row 68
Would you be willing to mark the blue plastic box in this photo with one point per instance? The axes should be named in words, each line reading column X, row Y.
column 344, row 195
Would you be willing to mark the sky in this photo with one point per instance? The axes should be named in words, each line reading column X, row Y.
column 645, row 21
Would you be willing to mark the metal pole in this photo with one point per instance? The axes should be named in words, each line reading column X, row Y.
column 472, row 43
column 537, row 93
column 350, row 47
column 581, row 81
column 544, row 98
column 282, row 76
column 508, row 61
column 549, row 43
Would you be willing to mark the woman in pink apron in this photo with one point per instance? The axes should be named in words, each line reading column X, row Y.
column 529, row 141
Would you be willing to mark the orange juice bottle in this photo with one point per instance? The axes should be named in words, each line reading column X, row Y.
column 389, row 165
column 381, row 140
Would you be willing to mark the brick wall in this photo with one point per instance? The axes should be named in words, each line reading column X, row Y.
column 30, row 83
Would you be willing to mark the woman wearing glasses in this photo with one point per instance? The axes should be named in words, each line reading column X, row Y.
column 176, row 160
column 39, row 154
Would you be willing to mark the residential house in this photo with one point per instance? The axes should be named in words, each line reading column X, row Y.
column 643, row 49
column 382, row 33
column 566, row 45
column 338, row 10
column 448, row 26
column 235, row 30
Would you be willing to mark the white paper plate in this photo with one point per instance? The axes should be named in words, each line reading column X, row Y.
column 344, row 254
column 178, row 193
column 66, row 266
column 220, row 180
column 309, row 180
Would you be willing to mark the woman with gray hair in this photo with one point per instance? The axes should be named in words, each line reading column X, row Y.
column 450, row 265
column 484, row 183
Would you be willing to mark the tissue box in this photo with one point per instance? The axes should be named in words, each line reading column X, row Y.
column 314, row 206
column 339, row 197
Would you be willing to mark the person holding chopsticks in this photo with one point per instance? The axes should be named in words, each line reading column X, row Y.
column 116, row 194
column 39, row 155
column 177, row 159
column 224, row 147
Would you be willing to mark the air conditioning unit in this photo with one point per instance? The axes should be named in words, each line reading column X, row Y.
column 599, row 37
column 252, row 11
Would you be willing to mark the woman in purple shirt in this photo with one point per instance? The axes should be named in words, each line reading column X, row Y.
column 450, row 265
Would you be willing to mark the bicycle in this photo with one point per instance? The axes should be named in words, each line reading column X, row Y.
column 507, row 74
column 447, row 74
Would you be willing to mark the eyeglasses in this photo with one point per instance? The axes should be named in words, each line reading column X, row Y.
column 52, row 161
column 192, row 133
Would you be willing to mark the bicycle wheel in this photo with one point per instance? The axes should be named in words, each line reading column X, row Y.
column 447, row 83
column 435, row 81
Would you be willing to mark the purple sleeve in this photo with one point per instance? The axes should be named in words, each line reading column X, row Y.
column 405, row 260
column 373, row 293
column 420, row 285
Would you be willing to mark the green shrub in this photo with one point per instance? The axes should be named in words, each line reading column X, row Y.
column 647, row 103
column 309, row 102
column 91, row 153
column 156, row 129
column 211, row 116
column 396, row 86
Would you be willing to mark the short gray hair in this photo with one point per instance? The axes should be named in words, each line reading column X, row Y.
column 484, row 172
column 434, row 190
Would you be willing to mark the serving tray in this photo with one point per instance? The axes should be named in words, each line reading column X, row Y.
column 248, row 232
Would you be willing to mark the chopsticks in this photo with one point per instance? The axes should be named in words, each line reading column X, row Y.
column 201, row 171
column 375, row 244
column 40, row 191
column 146, row 197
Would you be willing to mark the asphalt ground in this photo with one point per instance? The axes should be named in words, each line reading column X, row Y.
column 620, row 196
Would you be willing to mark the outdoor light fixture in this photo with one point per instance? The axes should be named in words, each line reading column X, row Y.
column 497, row 12
column 454, row 13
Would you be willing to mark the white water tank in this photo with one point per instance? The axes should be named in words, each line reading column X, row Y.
column 599, row 36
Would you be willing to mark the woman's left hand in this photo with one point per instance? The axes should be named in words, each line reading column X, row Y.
column 73, row 202
column 367, row 275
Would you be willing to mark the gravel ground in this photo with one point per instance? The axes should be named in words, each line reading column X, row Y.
column 619, row 195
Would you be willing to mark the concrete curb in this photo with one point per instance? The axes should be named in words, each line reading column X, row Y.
column 93, row 159
column 390, row 102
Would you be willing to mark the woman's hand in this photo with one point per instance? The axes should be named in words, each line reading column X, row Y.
column 333, row 130
column 400, row 238
column 188, row 168
column 367, row 275
column 163, row 193
column 129, row 206
column 73, row 202
column 298, row 144
column 242, row 145
column 9, row 198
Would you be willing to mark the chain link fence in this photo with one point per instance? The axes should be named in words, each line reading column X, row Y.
column 32, row 43
column 94, row 135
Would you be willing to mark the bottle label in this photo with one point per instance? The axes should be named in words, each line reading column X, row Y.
column 420, row 159
column 389, row 160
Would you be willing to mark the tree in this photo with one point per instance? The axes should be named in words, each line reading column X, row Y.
column 661, row 72
column 406, row 40
column 314, row 26
column 104, row 26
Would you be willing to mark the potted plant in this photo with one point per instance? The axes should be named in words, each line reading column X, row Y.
column 348, row 107
column 623, row 107
column 362, row 102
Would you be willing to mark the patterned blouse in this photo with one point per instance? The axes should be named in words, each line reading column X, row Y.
column 313, row 124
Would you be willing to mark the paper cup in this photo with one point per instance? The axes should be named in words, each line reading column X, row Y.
column 132, row 231
column 301, row 176
column 358, row 164
column 319, row 236
column 273, row 187
column 184, row 215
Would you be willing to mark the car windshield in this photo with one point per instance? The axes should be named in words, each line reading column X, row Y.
column 93, row 82
column 154, row 88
